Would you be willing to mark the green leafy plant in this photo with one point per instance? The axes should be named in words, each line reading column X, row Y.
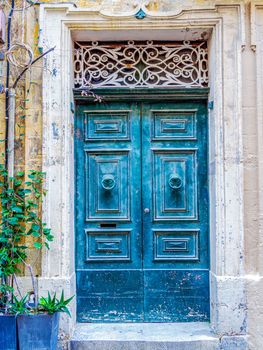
column 49, row 305
column 19, row 306
column 20, row 219
column 52, row 304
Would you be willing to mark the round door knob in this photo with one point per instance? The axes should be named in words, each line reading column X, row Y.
column 175, row 182
column 146, row 210
column 108, row 182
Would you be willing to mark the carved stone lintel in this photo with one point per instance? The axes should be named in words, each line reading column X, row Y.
column 154, row 8
column 122, row 8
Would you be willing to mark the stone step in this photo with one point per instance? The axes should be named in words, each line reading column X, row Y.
column 144, row 336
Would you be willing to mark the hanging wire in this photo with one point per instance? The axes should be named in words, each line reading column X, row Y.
column 20, row 55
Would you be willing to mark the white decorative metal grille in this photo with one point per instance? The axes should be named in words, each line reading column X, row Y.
column 140, row 64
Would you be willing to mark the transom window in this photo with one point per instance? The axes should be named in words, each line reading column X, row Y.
column 140, row 64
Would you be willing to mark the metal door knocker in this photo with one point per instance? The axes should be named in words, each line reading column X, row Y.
column 108, row 182
column 175, row 182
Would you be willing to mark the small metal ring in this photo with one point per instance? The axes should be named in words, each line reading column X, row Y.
column 175, row 182
column 108, row 182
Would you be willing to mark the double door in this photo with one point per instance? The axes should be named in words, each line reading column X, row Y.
column 142, row 212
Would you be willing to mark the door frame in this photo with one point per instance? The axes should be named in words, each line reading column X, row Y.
column 59, row 24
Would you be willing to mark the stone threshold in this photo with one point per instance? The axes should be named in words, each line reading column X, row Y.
column 152, row 336
column 145, row 336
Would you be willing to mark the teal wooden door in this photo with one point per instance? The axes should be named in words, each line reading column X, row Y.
column 142, row 212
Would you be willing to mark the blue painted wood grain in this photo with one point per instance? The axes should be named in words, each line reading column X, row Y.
column 142, row 212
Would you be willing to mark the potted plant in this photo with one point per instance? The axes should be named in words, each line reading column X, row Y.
column 12, row 251
column 8, row 337
column 37, row 325
column 20, row 219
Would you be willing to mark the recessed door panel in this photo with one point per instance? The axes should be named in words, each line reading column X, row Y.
column 176, row 245
column 107, row 125
column 174, row 125
column 174, row 188
column 108, row 185
column 142, row 212
column 108, row 245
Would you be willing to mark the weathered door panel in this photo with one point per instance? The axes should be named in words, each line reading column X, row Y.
column 175, row 217
column 109, row 233
column 142, row 212
column 176, row 295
